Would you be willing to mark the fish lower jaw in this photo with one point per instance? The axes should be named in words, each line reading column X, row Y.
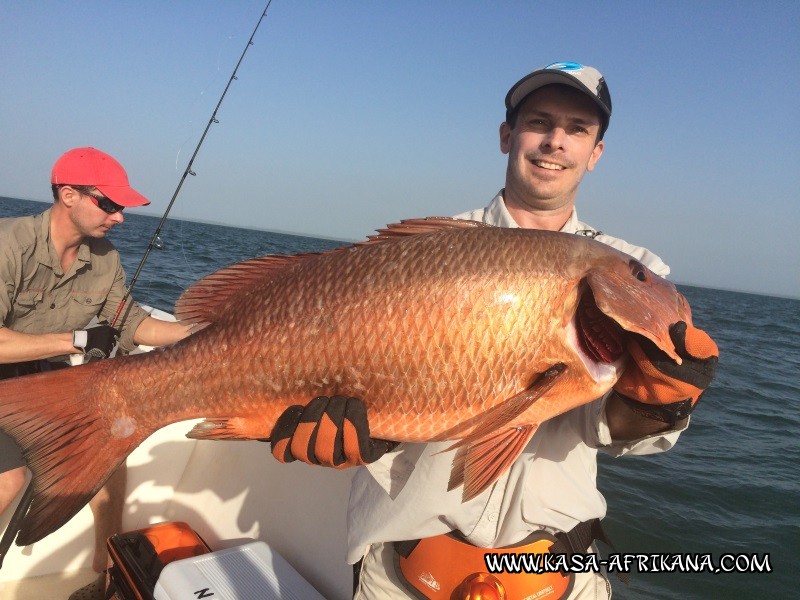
column 603, row 373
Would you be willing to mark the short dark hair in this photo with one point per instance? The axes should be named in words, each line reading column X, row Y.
column 83, row 189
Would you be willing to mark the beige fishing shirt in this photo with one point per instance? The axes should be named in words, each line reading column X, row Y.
column 38, row 297
column 551, row 486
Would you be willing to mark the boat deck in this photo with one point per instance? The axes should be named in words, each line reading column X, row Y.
column 228, row 492
column 57, row 586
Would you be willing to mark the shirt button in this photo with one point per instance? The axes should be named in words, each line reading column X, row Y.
column 53, row 305
column 88, row 301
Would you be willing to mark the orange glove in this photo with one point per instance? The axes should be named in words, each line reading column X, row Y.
column 333, row 432
column 656, row 386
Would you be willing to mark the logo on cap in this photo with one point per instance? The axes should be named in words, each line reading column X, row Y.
column 565, row 66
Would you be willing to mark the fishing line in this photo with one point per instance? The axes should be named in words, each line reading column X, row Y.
column 188, row 171
column 15, row 524
column 201, row 96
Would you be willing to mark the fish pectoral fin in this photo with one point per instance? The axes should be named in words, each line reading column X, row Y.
column 232, row 428
column 504, row 413
column 480, row 464
column 492, row 446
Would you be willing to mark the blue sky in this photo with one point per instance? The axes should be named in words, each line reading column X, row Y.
column 350, row 115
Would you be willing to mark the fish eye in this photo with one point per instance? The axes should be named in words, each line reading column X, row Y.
column 638, row 270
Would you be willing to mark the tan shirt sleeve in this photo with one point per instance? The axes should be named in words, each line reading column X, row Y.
column 130, row 318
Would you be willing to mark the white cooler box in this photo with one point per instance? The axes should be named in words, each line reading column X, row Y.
column 248, row 572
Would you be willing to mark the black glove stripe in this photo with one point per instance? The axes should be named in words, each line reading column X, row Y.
column 335, row 410
column 284, row 428
column 694, row 371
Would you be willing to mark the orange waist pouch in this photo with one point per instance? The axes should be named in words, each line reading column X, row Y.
column 446, row 567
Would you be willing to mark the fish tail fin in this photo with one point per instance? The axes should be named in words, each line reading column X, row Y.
column 66, row 441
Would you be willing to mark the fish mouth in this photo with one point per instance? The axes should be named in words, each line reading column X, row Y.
column 599, row 336
column 599, row 341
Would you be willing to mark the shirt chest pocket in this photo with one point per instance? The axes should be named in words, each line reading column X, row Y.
column 27, row 302
column 85, row 305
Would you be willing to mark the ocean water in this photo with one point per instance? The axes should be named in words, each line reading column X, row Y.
column 731, row 486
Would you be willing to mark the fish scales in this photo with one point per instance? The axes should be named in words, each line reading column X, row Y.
column 460, row 341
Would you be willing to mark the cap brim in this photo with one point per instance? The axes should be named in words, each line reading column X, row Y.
column 123, row 195
column 542, row 78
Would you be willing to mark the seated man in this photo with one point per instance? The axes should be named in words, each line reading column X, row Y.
column 58, row 273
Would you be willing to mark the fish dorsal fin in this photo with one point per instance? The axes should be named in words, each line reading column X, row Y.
column 409, row 227
column 492, row 447
column 206, row 299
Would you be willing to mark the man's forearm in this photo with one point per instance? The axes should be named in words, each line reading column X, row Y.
column 155, row 332
column 20, row 347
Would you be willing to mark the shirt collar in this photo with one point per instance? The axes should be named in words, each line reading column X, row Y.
column 45, row 251
column 498, row 215
column 572, row 225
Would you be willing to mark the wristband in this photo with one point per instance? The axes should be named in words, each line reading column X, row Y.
column 80, row 338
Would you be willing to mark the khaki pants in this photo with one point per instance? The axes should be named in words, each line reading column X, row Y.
column 378, row 580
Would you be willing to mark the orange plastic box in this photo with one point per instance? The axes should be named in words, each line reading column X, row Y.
column 137, row 557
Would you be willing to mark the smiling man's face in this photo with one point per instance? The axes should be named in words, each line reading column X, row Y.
column 550, row 148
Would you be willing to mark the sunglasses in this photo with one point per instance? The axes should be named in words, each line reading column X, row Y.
column 107, row 205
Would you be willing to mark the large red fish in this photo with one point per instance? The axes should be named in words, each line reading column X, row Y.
column 448, row 330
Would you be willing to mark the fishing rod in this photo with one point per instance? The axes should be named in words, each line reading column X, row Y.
column 15, row 524
column 155, row 241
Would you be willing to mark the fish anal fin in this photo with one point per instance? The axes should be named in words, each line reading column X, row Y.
column 480, row 464
column 232, row 428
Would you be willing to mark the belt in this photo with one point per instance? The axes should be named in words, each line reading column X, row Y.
column 446, row 567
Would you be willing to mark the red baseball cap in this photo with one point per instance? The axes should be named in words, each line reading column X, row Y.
column 89, row 166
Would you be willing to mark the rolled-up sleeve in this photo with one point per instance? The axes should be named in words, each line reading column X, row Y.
column 130, row 318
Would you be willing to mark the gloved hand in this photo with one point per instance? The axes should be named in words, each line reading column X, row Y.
column 330, row 431
column 96, row 342
column 656, row 386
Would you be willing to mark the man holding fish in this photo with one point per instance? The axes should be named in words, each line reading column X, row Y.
column 553, row 134
column 58, row 273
